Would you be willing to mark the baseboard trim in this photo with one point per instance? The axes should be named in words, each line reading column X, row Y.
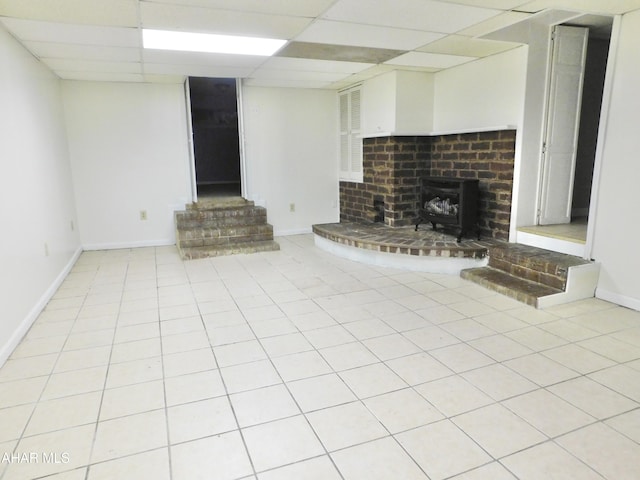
column 622, row 300
column 118, row 246
column 7, row 349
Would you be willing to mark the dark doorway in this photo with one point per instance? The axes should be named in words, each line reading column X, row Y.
column 216, row 139
column 592, row 92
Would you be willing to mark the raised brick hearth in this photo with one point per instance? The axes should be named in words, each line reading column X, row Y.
column 394, row 165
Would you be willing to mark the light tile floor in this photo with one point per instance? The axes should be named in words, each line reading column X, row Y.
column 299, row 365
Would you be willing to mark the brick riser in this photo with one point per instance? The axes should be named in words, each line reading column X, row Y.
column 199, row 237
column 525, row 273
column 229, row 227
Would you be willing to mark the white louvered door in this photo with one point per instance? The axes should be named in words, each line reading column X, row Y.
column 350, row 131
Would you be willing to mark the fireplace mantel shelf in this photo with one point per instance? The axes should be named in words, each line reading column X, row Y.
column 435, row 133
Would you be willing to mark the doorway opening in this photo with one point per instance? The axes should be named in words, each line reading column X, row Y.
column 216, row 136
column 564, row 202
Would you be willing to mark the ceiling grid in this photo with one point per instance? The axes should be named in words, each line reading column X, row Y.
column 329, row 42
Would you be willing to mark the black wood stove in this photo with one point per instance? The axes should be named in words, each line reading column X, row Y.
column 451, row 202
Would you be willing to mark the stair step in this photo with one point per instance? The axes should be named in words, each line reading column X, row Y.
column 534, row 264
column 192, row 253
column 220, row 217
column 220, row 202
column 510, row 285
column 197, row 237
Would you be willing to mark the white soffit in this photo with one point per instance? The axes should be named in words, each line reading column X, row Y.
column 37, row 31
column 309, row 65
column 466, row 46
column 83, row 52
column 208, row 20
column 611, row 7
column 122, row 13
column 426, row 15
column 429, row 60
column 355, row 34
column 294, row 8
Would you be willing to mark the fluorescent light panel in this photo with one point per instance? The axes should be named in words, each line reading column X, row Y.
column 210, row 43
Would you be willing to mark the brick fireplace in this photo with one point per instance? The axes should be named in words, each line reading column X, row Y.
column 394, row 165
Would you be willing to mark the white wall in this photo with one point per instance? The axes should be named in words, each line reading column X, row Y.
column 617, row 216
column 291, row 149
column 129, row 153
column 484, row 93
column 37, row 206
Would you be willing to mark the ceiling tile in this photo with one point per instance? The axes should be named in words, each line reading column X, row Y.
column 494, row 23
column 209, row 20
column 197, row 70
column 63, row 64
column 295, row 8
column 343, row 53
column 586, row 6
column 355, row 34
column 37, row 31
column 363, row 75
column 101, row 76
column 153, row 78
column 308, row 65
column 426, row 15
column 466, row 46
column 430, row 60
column 287, row 83
column 497, row 4
column 122, row 13
column 83, row 52
column 298, row 75
column 197, row 58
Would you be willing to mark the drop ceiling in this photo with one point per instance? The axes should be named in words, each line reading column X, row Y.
column 330, row 43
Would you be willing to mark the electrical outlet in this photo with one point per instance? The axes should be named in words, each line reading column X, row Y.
column 143, row 214
column 292, row 207
column 46, row 249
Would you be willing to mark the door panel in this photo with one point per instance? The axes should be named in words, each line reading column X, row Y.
column 563, row 118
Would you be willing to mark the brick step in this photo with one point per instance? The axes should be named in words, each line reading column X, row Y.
column 534, row 264
column 192, row 253
column 220, row 202
column 197, row 237
column 220, row 217
column 523, row 290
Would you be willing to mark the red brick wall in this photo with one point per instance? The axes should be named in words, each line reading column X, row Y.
column 393, row 167
column 487, row 156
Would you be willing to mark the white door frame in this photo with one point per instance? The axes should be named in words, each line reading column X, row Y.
column 243, row 164
column 602, row 133
column 192, row 153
